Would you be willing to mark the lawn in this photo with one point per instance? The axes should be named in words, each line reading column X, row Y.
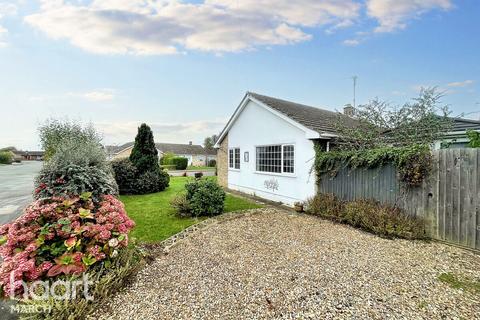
column 200, row 168
column 156, row 220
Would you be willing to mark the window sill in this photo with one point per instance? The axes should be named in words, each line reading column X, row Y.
column 232, row 169
column 286, row 175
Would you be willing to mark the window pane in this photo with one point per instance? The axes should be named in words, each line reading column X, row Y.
column 269, row 158
column 237, row 158
column 230, row 158
column 288, row 159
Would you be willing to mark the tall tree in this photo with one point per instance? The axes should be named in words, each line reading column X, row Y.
column 144, row 154
column 209, row 142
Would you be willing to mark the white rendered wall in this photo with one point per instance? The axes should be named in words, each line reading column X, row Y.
column 257, row 126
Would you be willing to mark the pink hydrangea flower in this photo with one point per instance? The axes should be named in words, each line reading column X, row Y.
column 24, row 244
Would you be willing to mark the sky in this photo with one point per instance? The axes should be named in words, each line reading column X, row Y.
column 183, row 66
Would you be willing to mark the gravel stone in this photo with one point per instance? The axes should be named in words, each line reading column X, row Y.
column 272, row 264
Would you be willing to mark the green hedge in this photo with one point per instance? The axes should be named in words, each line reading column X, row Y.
column 180, row 163
column 369, row 215
column 6, row 157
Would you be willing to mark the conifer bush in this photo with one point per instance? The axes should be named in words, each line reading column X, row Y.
column 141, row 172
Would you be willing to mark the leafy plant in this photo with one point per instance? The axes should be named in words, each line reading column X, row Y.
column 181, row 205
column 144, row 154
column 474, row 137
column 126, row 175
column 369, row 215
column 378, row 124
column 73, row 180
column 326, row 205
column 150, row 182
column 61, row 236
column 212, row 163
column 205, row 197
column 6, row 157
column 180, row 163
column 54, row 133
column 209, row 142
column 166, row 159
column 109, row 278
column 413, row 162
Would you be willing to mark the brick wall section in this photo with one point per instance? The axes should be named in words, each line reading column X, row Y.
column 222, row 163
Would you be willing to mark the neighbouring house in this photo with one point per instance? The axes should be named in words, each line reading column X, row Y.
column 457, row 137
column 21, row 155
column 196, row 154
column 267, row 147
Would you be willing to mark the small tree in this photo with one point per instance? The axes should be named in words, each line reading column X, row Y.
column 144, row 154
column 55, row 132
column 378, row 124
column 6, row 157
column 167, row 158
column 209, row 142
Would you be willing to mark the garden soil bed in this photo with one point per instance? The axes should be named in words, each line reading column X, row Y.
column 279, row 265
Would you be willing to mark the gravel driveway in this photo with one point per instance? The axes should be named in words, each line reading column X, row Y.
column 273, row 265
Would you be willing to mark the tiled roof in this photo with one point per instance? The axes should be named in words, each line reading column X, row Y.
column 180, row 148
column 175, row 148
column 461, row 124
column 319, row 120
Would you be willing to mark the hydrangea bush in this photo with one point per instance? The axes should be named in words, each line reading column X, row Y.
column 61, row 235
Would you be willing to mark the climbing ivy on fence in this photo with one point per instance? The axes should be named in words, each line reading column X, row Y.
column 413, row 162
column 474, row 137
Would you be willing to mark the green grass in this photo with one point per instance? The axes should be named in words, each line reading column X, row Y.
column 200, row 168
column 156, row 220
column 457, row 283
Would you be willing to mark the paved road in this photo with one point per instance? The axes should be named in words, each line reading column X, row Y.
column 190, row 173
column 16, row 186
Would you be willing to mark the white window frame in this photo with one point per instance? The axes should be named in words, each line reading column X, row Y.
column 282, row 173
column 231, row 165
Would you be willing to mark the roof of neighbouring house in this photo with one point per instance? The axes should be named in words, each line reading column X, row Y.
column 181, row 148
column 34, row 153
column 462, row 124
column 175, row 148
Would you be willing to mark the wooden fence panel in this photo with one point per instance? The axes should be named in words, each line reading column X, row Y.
column 449, row 199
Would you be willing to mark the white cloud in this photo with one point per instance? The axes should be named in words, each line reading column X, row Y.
column 174, row 132
column 351, row 42
column 460, row 84
column 99, row 95
column 6, row 9
column 145, row 27
column 394, row 14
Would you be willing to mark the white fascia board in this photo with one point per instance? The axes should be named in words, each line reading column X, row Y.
column 230, row 122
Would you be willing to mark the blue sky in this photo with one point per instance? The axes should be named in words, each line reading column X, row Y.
column 183, row 66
